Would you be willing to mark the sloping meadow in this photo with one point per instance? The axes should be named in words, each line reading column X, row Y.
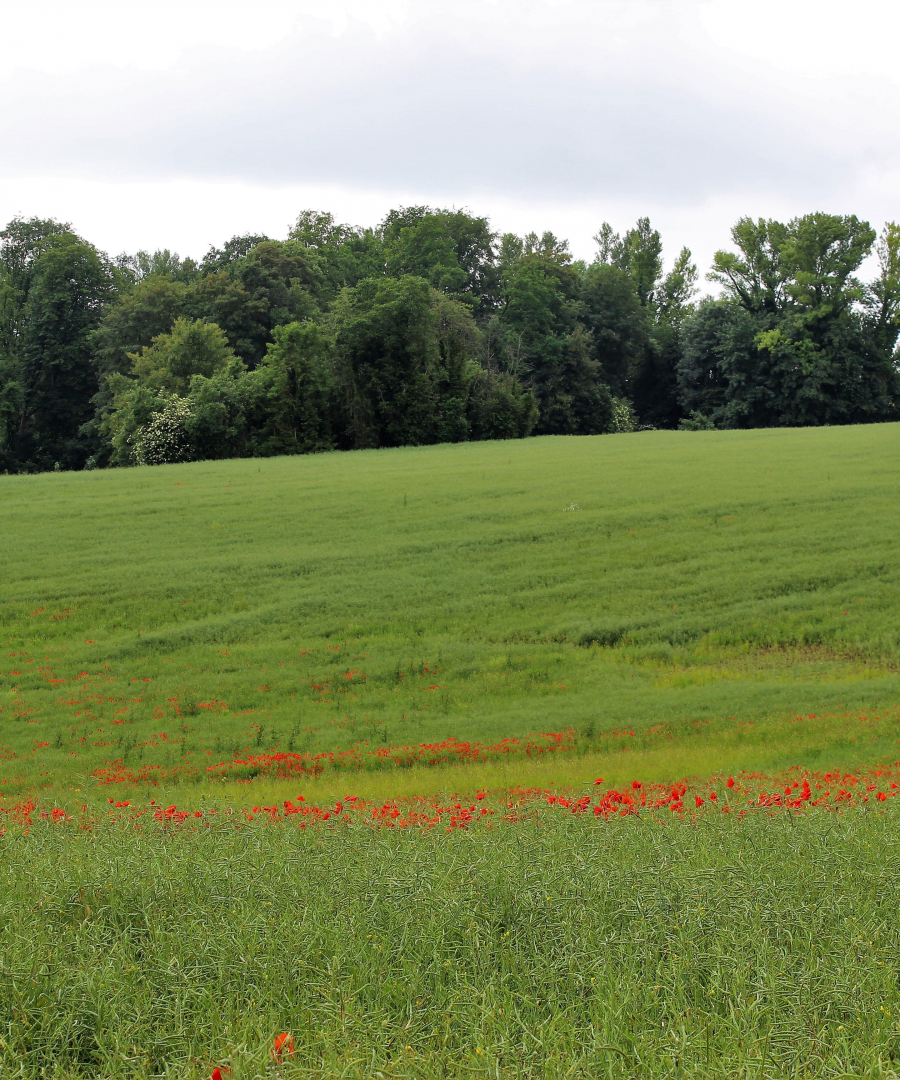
column 192, row 615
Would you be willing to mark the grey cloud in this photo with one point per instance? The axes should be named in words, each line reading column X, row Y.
column 565, row 117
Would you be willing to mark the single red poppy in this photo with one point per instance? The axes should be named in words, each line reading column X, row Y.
column 283, row 1044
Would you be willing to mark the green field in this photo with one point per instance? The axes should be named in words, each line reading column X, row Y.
column 182, row 613
column 672, row 606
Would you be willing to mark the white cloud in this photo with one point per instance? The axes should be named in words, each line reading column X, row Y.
column 200, row 120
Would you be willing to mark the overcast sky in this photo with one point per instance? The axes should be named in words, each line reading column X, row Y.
column 182, row 122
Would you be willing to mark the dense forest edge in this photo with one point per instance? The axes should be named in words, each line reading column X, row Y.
column 432, row 328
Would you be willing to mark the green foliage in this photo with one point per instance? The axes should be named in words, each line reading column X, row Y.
column 216, row 424
column 719, row 345
column 451, row 249
column 499, row 408
column 274, row 283
column 403, row 361
column 165, row 439
column 140, row 315
column 697, row 421
column 619, row 324
column 192, row 348
column 162, row 374
column 883, row 299
column 294, row 392
column 640, row 347
column 55, row 287
column 537, row 334
column 343, row 255
column 797, row 339
column 641, row 255
column 809, row 262
column 232, row 252
column 161, row 263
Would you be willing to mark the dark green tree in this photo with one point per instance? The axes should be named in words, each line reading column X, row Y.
column 619, row 325
column 21, row 243
column 231, row 252
column 655, row 386
column 404, row 358
column 216, row 423
column 289, row 397
column 649, row 378
column 499, row 407
column 718, row 353
column 147, row 310
column 54, row 287
column 539, row 337
column 11, row 409
column 274, row 283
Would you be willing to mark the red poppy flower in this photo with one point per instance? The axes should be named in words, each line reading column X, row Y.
column 283, row 1044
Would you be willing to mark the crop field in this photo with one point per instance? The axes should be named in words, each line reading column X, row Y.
column 564, row 757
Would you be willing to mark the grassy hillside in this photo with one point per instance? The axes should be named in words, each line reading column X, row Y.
column 481, row 591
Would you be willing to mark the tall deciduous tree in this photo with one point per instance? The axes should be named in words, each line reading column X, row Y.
column 541, row 335
column 173, row 359
column 274, row 283
column 344, row 255
column 619, row 325
column 404, row 356
column 292, row 392
column 452, row 250
column 649, row 377
column 822, row 344
column 54, row 287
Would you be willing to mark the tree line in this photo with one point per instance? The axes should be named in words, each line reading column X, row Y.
column 432, row 328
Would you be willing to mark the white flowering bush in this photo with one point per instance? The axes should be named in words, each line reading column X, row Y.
column 164, row 439
column 623, row 418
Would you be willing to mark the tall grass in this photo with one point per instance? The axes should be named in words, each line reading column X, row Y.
column 757, row 947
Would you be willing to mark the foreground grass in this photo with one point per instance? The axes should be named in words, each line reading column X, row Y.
column 188, row 612
column 561, row 946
